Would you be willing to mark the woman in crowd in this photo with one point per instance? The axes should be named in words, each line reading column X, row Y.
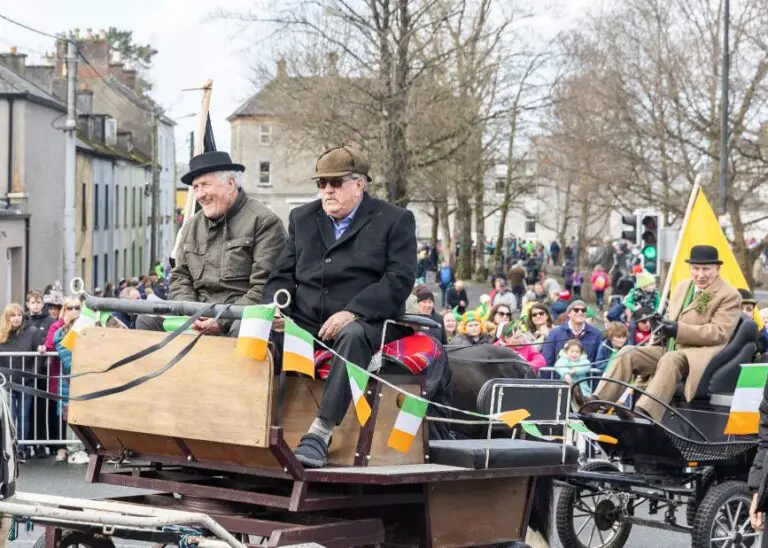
column 539, row 323
column 18, row 336
column 499, row 315
column 70, row 313
column 55, row 426
column 449, row 325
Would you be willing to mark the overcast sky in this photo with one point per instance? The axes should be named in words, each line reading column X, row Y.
column 193, row 46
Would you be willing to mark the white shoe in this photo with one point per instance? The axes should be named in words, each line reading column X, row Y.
column 78, row 457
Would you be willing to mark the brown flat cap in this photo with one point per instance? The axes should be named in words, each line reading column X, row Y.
column 340, row 161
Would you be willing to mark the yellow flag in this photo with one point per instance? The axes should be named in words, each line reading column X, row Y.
column 703, row 228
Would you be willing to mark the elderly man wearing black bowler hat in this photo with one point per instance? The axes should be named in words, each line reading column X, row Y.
column 228, row 249
column 349, row 265
column 703, row 313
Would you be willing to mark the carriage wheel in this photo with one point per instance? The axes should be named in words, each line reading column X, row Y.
column 707, row 481
column 75, row 539
column 586, row 519
column 723, row 518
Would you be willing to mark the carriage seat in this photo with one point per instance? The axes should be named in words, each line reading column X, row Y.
column 722, row 372
column 414, row 352
column 504, row 453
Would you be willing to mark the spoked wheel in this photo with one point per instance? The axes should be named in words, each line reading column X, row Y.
column 723, row 518
column 76, row 539
column 587, row 519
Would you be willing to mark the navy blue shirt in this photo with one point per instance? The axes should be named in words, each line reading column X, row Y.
column 590, row 338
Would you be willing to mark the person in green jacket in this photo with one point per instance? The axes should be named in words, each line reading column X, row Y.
column 644, row 294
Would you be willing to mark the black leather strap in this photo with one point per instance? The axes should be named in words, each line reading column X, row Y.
column 135, row 382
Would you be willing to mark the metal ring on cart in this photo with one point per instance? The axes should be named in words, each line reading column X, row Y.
column 77, row 286
column 276, row 298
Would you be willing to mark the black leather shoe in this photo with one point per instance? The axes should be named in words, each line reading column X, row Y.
column 312, row 451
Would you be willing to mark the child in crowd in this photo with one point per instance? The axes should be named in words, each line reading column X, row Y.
column 573, row 364
column 615, row 339
column 471, row 331
column 644, row 295
column 577, row 280
column 449, row 325
column 641, row 332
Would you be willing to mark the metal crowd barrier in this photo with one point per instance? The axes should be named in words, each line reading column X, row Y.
column 39, row 421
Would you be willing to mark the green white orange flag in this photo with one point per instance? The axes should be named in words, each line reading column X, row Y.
column 358, row 381
column 745, row 415
column 255, row 327
column 512, row 418
column 532, row 430
column 88, row 318
column 407, row 424
column 298, row 350
column 581, row 428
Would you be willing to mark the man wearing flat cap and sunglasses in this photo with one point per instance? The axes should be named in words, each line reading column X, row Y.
column 228, row 249
column 349, row 264
column 702, row 316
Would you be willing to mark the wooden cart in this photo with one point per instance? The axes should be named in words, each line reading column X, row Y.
column 211, row 439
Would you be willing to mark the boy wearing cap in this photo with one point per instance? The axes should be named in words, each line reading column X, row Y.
column 349, row 264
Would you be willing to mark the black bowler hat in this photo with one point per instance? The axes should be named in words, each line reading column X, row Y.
column 747, row 297
column 209, row 162
column 704, row 254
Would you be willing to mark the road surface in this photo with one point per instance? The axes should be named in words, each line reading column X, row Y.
column 43, row 476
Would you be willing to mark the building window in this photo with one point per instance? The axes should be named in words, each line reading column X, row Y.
column 141, row 209
column 117, row 264
column 96, row 207
column 83, row 210
column 141, row 258
column 530, row 224
column 95, row 270
column 117, row 208
column 125, row 207
column 106, row 206
column 133, row 259
column 106, row 268
column 266, row 134
column 125, row 263
column 82, row 269
column 133, row 209
column 264, row 172
column 500, row 184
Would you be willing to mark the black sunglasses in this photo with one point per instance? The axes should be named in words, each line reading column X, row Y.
column 335, row 183
column 537, row 314
column 579, row 310
column 505, row 314
column 73, row 308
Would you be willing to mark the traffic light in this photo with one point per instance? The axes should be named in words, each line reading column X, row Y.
column 630, row 234
column 649, row 239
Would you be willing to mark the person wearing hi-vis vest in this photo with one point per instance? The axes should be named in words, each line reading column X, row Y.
column 702, row 315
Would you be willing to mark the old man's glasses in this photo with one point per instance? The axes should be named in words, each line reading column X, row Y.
column 335, row 183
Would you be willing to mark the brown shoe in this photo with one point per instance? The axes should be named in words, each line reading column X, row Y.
column 580, row 398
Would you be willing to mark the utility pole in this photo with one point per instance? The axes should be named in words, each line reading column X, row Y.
column 70, row 128
column 155, row 184
column 724, row 111
column 191, row 144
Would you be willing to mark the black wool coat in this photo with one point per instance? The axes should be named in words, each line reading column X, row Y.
column 369, row 271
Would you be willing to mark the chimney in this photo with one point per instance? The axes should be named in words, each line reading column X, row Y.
column 129, row 78
column 333, row 60
column 96, row 51
column 282, row 72
column 84, row 101
column 17, row 61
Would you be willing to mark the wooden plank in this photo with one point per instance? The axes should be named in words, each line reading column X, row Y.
column 381, row 453
column 211, row 395
column 490, row 512
column 302, row 399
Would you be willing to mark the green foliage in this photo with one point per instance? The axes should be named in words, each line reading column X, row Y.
column 122, row 41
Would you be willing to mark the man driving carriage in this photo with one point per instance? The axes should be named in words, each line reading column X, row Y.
column 703, row 313
column 349, row 264
column 229, row 247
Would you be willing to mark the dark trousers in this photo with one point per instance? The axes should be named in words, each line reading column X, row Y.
column 600, row 297
column 356, row 343
column 155, row 323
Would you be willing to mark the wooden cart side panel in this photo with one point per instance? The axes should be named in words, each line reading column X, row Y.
column 487, row 512
column 381, row 453
column 212, row 394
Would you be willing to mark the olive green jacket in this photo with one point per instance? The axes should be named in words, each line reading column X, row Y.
column 228, row 260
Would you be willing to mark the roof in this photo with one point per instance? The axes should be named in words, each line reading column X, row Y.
column 105, row 151
column 137, row 99
column 257, row 105
column 13, row 84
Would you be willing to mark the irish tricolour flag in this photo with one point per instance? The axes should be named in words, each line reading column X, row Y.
column 745, row 414
column 407, row 424
column 255, row 327
column 298, row 350
column 358, row 381
column 88, row 318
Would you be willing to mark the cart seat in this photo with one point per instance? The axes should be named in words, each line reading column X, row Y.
column 504, row 453
column 722, row 372
column 415, row 352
